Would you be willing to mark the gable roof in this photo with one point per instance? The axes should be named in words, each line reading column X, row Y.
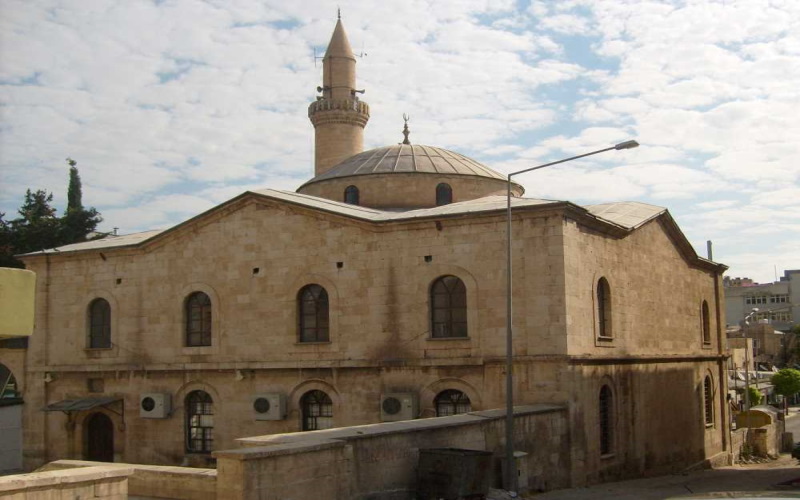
column 619, row 217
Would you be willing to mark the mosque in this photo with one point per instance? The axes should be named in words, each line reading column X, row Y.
column 375, row 293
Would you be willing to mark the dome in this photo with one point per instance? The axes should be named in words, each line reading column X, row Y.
column 406, row 176
column 408, row 158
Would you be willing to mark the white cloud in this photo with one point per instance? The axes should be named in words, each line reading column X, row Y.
column 174, row 105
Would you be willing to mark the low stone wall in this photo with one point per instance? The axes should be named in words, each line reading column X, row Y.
column 103, row 482
column 156, row 481
column 737, row 443
column 379, row 461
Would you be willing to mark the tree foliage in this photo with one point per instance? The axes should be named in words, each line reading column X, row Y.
column 787, row 382
column 755, row 396
column 38, row 226
column 77, row 221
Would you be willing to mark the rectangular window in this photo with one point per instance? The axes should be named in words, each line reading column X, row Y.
column 95, row 385
column 781, row 316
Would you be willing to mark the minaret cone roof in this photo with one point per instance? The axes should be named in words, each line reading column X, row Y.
column 339, row 45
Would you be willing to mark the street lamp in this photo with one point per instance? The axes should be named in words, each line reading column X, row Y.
column 511, row 475
column 753, row 312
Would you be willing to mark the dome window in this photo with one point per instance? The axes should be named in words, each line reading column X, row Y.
column 351, row 195
column 444, row 194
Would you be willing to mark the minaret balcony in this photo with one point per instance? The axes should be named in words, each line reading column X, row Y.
column 347, row 105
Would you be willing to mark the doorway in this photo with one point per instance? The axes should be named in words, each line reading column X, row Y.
column 99, row 438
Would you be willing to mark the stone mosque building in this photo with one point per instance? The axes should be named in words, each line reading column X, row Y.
column 374, row 293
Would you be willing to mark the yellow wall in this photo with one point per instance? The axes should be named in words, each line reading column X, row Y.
column 17, row 290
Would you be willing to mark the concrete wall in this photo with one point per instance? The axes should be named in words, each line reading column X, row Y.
column 103, row 482
column 380, row 461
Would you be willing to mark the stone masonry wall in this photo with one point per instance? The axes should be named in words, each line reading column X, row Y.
column 380, row 461
column 102, row 482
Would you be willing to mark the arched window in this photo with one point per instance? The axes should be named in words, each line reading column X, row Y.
column 198, row 320
column 317, row 410
column 606, row 416
column 604, row 309
column 706, row 323
column 708, row 401
column 452, row 402
column 312, row 304
column 448, row 308
column 199, row 422
column 8, row 384
column 351, row 195
column 99, row 324
column 444, row 194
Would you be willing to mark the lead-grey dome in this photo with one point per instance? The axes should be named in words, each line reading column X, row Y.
column 408, row 158
column 408, row 177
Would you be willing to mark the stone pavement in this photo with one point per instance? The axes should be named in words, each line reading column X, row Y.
column 755, row 477
column 750, row 477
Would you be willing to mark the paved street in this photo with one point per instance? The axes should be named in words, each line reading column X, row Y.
column 755, row 477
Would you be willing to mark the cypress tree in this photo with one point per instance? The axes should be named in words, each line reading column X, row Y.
column 77, row 222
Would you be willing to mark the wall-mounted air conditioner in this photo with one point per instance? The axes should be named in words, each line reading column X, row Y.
column 399, row 406
column 155, row 405
column 269, row 406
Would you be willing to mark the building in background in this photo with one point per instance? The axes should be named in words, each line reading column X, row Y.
column 376, row 292
column 778, row 302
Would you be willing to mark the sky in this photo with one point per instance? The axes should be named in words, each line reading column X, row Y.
column 172, row 107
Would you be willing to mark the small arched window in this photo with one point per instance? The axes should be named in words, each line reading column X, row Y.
column 708, row 401
column 99, row 324
column 312, row 304
column 351, row 195
column 448, row 308
column 317, row 409
column 604, row 309
column 444, row 194
column 706, row 323
column 198, row 320
column 8, row 384
column 199, row 422
column 452, row 402
column 606, row 413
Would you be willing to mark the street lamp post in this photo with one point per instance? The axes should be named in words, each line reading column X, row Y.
column 511, row 473
column 747, row 360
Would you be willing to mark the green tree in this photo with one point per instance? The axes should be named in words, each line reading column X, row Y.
column 787, row 382
column 755, row 396
column 77, row 222
column 6, row 244
column 38, row 227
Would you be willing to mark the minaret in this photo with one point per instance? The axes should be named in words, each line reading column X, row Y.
column 339, row 117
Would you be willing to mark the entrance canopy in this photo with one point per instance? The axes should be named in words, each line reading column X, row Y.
column 82, row 404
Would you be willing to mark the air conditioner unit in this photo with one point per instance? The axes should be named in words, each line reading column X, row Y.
column 399, row 406
column 155, row 405
column 269, row 406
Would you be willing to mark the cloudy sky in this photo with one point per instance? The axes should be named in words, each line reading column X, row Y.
column 170, row 107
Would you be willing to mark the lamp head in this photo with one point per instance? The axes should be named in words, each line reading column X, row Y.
column 627, row 145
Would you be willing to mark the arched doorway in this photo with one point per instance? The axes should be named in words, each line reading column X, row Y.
column 10, row 422
column 99, row 438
